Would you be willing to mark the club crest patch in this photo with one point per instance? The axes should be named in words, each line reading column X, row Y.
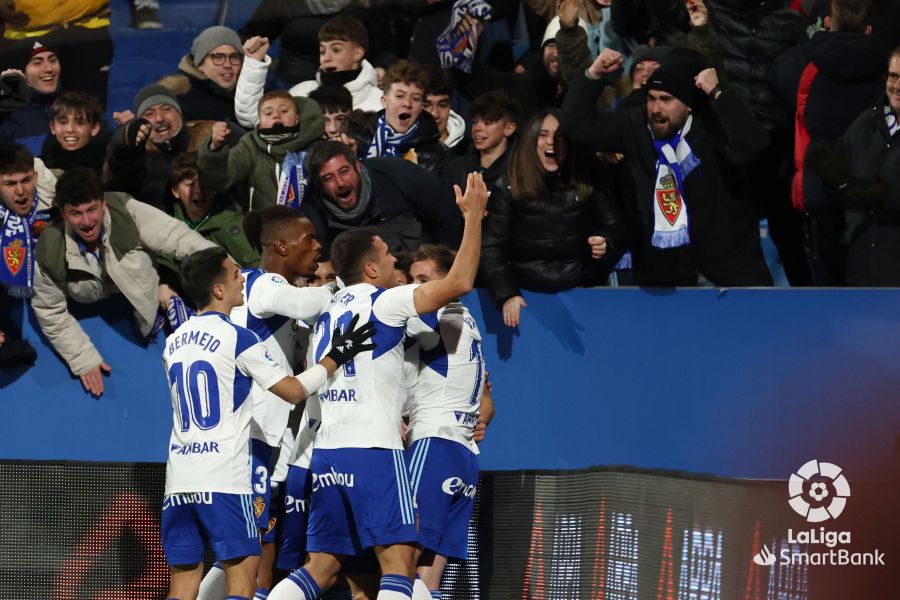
column 14, row 256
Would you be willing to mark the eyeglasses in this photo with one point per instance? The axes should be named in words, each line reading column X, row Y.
column 892, row 77
column 218, row 58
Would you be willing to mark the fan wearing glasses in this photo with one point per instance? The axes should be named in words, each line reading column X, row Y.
column 208, row 75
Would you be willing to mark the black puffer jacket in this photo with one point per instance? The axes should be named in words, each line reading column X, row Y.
column 873, row 255
column 753, row 33
column 541, row 245
column 430, row 153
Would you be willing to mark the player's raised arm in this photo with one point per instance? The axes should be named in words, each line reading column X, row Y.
column 435, row 294
column 344, row 347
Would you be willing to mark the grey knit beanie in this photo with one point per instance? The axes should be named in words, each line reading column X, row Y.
column 151, row 95
column 211, row 38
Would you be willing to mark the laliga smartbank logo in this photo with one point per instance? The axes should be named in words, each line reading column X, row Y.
column 818, row 491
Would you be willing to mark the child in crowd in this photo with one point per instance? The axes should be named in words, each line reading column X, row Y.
column 403, row 128
column 270, row 157
column 342, row 48
column 438, row 96
column 77, row 137
column 336, row 104
column 495, row 120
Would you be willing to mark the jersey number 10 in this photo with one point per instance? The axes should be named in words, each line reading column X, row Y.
column 199, row 401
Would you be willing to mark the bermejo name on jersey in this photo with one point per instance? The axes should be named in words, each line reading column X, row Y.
column 447, row 392
column 270, row 310
column 210, row 363
column 362, row 400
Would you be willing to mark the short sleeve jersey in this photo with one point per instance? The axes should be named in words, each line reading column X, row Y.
column 447, row 393
column 362, row 401
column 211, row 363
column 271, row 309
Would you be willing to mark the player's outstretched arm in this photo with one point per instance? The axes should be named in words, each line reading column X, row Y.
column 434, row 294
column 344, row 347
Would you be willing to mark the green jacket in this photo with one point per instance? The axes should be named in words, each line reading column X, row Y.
column 225, row 227
column 258, row 162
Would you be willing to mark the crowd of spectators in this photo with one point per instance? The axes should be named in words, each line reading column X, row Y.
column 635, row 141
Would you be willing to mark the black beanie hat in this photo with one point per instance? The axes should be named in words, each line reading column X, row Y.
column 676, row 75
column 654, row 53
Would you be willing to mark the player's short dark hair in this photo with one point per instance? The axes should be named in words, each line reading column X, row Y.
column 439, row 82
column 443, row 256
column 406, row 72
column 271, row 94
column 360, row 126
column 333, row 98
column 404, row 262
column 259, row 225
column 15, row 158
column 77, row 186
column 349, row 250
column 323, row 151
column 200, row 272
column 184, row 166
column 850, row 15
column 79, row 104
column 344, row 28
column 496, row 105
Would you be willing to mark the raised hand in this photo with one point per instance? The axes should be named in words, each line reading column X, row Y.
column 698, row 13
column 137, row 132
column 567, row 11
column 598, row 246
column 220, row 133
column 707, row 80
column 257, row 47
column 346, row 345
column 474, row 201
column 609, row 61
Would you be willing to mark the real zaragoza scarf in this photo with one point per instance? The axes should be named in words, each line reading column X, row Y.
column 893, row 124
column 387, row 142
column 675, row 161
column 293, row 181
column 17, row 240
column 457, row 48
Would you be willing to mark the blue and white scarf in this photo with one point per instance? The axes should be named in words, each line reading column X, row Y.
column 893, row 123
column 457, row 48
column 17, row 240
column 388, row 142
column 675, row 161
column 293, row 181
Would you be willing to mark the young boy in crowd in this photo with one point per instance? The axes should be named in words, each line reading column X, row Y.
column 403, row 128
column 215, row 217
column 336, row 104
column 269, row 158
column 77, row 138
column 342, row 48
column 438, row 96
column 495, row 118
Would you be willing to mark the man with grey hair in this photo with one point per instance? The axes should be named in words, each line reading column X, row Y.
column 142, row 148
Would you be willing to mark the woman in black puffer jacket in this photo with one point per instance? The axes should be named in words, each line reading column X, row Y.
column 547, row 228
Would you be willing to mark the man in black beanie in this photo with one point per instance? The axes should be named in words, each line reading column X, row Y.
column 690, row 221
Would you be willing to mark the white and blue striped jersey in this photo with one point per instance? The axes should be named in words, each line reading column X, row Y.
column 446, row 397
column 362, row 401
column 211, row 363
column 271, row 309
